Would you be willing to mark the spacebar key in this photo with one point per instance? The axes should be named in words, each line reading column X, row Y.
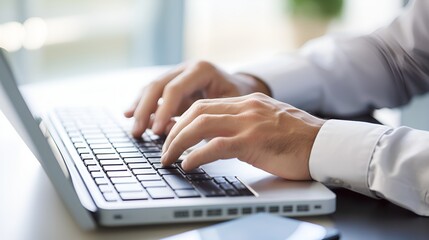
column 209, row 188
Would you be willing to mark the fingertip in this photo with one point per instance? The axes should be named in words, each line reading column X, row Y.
column 128, row 113
column 187, row 166
column 164, row 160
column 138, row 129
column 157, row 128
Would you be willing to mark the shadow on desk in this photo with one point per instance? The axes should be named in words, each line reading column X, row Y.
column 361, row 217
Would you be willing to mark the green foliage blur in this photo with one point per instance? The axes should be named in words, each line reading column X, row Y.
column 326, row 9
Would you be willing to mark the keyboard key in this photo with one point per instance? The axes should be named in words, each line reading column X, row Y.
column 116, row 180
column 220, row 180
column 101, row 181
column 86, row 157
column 151, row 177
column 148, row 184
column 135, row 160
column 197, row 177
column 239, row 185
column 111, row 162
column 97, row 141
column 160, row 193
column 74, row 134
column 131, row 155
column 94, row 136
column 154, row 160
column 112, row 130
column 119, row 140
column 94, row 168
column 77, row 140
column 100, row 145
column 116, row 134
column 149, row 149
column 123, row 145
column 97, row 174
column 119, row 174
column 89, row 162
column 127, row 150
column 104, row 151
column 177, row 182
column 110, row 197
column 187, row 193
column 242, row 189
column 142, row 171
column 146, row 144
column 115, row 168
column 160, row 166
column 134, row 195
column 80, row 145
column 107, row 156
column 139, row 165
column 83, row 151
column 209, row 188
column 153, row 154
column 128, row 187
column 105, row 188
column 231, row 179
column 226, row 186
column 194, row 171
column 168, row 171
column 232, row 192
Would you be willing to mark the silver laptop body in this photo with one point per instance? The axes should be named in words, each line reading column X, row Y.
column 86, row 201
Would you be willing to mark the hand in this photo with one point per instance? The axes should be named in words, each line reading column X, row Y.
column 181, row 87
column 257, row 129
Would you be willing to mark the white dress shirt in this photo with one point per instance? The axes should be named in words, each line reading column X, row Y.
column 352, row 76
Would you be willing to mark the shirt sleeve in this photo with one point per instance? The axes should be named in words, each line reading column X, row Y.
column 385, row 162
column 343, row 76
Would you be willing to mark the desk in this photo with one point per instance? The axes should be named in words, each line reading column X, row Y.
column 31, row 209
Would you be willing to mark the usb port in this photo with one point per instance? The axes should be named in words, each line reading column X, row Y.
column 302, row 208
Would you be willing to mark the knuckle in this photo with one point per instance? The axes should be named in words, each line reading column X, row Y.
column 153, row 85
column 204, row 65
column 258, row 95
column 254, row 102
column 220, row 144
column 199, row 107
column 172, row 88
column 203, row 119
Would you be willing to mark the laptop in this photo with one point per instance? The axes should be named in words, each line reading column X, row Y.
column 106, row 178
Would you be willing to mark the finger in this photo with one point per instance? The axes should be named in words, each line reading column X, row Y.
column 184, row 86
column 207, row 106
column 146, row 106
column 169, row 126
column 130, row 111
column 204, row 127
column 148, row 102
column 218, row 148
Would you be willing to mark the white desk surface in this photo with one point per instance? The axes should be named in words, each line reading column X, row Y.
column 29, row 206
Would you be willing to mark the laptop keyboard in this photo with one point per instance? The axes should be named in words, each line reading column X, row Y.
column 129, row 169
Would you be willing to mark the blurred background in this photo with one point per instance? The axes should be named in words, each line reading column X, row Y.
column 57, row 39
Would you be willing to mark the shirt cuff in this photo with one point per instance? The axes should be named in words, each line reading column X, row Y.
column 342, row 153
column 291, row 79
